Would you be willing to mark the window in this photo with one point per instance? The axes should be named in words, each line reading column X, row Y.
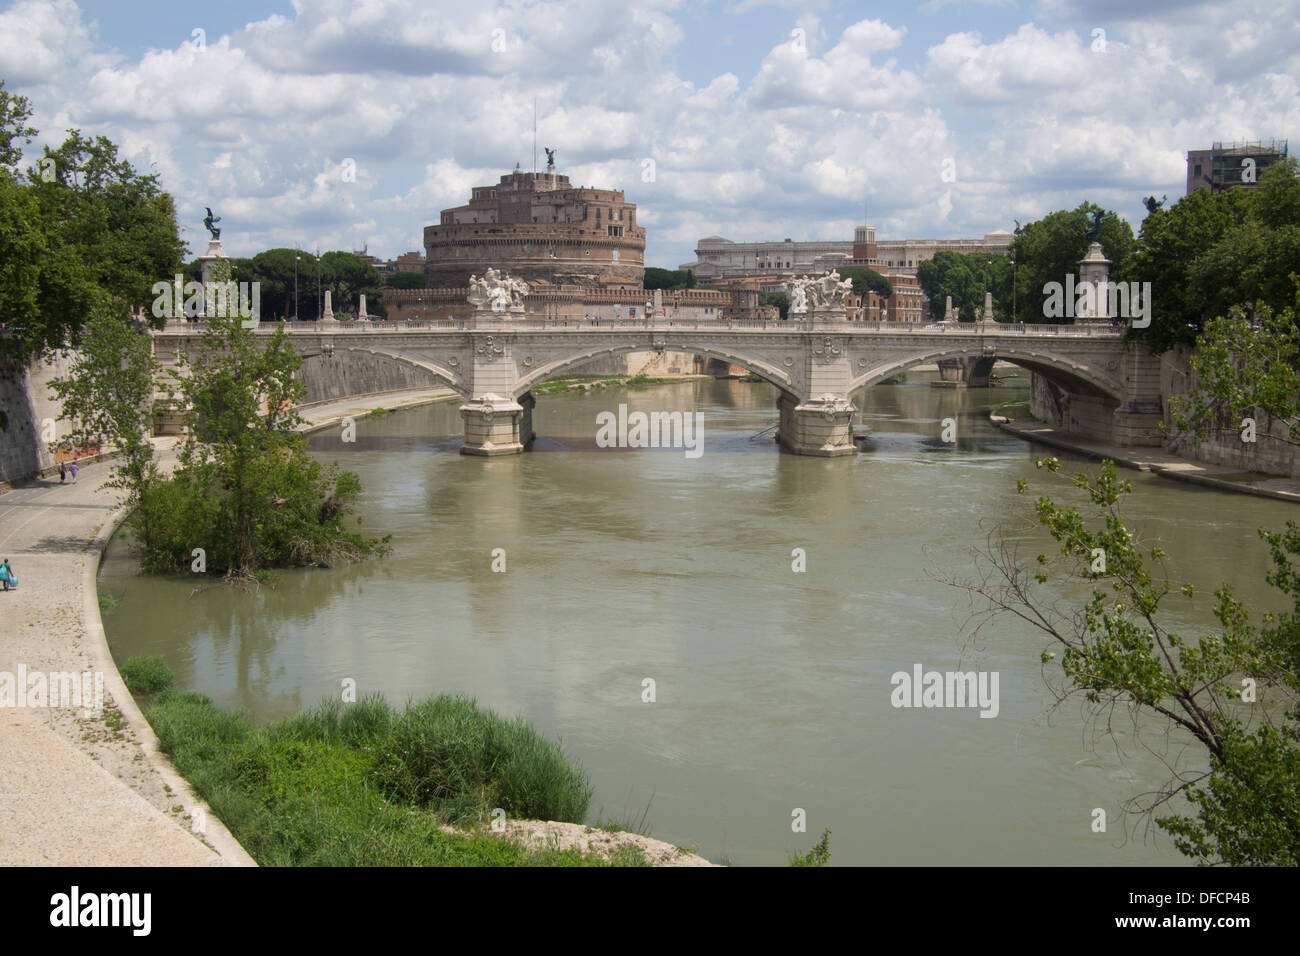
column 616, row 231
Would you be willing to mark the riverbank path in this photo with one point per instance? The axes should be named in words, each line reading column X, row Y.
column 78, row 789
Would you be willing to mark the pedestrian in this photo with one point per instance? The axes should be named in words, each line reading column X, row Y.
column 7, row 577
column 63, row 472
column 73, row 468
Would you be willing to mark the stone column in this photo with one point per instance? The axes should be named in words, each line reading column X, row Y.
column 822, row 427
column 492, row 426
column 329, row 306
column 361, row 311
column 207, row 263
column 1094, row 269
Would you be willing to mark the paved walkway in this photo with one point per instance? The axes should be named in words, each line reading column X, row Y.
column 1155, row 460
column 80, row 790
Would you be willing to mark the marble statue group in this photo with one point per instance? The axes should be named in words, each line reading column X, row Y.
column 496, row 292
column 823, row 293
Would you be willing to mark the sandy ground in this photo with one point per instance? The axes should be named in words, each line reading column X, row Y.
column 548, row 834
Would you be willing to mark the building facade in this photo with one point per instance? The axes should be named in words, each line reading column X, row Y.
column 1229, row 165
column 540, row 228
column 767, row 265
column 719, row 258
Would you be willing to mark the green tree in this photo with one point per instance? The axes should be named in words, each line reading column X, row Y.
column 112, row 226
column 1240, row 368
column 24, row 247
column 1169, row 242
column 779, row 299
column 405, row 280
column 349, row 276
column 656, row 278
column 82, row 230
column 15, row 111
column 965, row 277
column 867, row 280
column 274, row 269
column 108, row 394
column 1121, row 652
column 1050, row 248
column 246, row 490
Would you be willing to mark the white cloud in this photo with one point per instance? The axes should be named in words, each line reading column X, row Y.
column 819, row 139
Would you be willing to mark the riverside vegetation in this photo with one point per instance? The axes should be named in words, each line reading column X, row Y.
column 1232, row 694
column 367, row 785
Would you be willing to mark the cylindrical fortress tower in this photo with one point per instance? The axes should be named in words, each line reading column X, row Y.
column 538, row 227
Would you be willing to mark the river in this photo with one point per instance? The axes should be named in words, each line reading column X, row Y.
column 772, row 688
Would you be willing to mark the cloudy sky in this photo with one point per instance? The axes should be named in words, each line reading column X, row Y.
column 350, row 123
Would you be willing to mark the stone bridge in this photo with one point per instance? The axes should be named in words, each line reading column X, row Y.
column 1099, row 383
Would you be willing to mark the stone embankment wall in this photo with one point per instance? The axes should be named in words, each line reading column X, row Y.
column 1270, row 452
column 31, row 416
column 1092, row 417
column 345, row 374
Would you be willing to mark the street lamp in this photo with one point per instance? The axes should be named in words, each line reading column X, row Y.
column 320, row 305
column 1013, row 288
column 295, row 287
column 988, row 264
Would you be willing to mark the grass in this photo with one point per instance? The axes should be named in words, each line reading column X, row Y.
column 107, row 603
column 630, row 822
column 365, row 785
column 146, row 675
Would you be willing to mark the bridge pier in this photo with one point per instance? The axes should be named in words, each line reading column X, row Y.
column 965, row 372
column 493, row 425
column 821, row 427
column 526, row 434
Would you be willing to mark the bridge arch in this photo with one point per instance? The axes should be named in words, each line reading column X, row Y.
column 765, row 370
column 442, row 376
column 1077, row 377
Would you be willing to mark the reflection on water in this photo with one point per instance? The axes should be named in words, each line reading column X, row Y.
column 772, row 687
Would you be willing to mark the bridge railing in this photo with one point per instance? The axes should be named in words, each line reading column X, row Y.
column 392, row 326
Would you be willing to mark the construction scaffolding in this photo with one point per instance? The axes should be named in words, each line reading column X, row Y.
column 1241, row 164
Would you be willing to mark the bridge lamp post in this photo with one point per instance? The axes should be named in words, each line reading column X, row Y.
column 988, row 264
column 295, row 287
column 320, row 305
column 1013, row 288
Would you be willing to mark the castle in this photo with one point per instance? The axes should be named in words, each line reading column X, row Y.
column 538, row 227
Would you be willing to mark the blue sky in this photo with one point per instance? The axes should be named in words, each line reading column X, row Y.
column 761, row 119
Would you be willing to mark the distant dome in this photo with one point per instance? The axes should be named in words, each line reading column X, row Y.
column 716, row 239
